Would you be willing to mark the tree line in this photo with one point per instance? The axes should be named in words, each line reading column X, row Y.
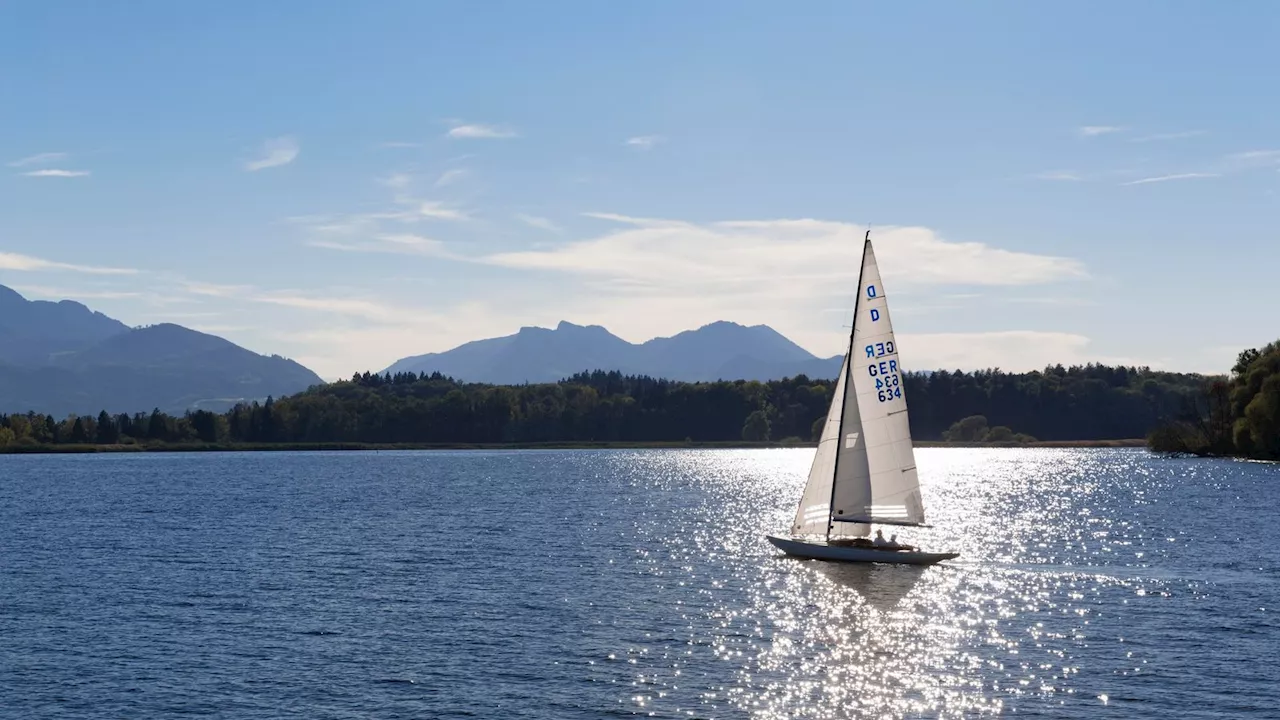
column 1237, row 415
column 1090, row 402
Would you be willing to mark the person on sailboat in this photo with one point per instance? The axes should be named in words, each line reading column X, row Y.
column 890, row 544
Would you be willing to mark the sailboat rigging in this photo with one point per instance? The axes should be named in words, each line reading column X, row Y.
column 864, row 470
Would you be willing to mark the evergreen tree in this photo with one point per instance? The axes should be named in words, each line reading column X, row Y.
column 78, row 433
column 157, row 428
column 107, row 431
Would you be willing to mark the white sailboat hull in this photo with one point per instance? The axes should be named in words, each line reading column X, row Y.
column 844, row 553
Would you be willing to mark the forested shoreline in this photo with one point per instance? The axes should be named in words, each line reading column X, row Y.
column 1058, row 404
column 1234, row 416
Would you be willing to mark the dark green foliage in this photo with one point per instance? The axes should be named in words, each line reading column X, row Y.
column 1000, row 434
column 1093, row 402
column 1255, row 403
column 974, row 429
column 970, row 429
column 78, row 433
column 1079, row 403
column 756, row 428
column 108, row 432
column 158, row 426
column 815, row 432
column 1238, row 417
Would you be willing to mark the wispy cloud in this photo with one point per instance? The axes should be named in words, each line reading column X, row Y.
column 53, row 172
column 480, row 131
column 330, row 302
column 416, row 243
column 538, row 222
column 26, row 263
column 1256, row 155
column 449, row 177
column 1096, row 130
column 637, row 221
column 782, row 257
column 219, row 329
column 1158, row 137
column 39, row 159
column 1167, row 178
column 645, row 142
column 397, row 181
column 441, row 211
column 1230, row 164
column 215, row 290
column 641, row 277
column 344, row 306
column 1059, row 175
column 186, row 315
column 275, row 152
column 45, row 291
column 647, row 277
column 401, row 244
column 335, row 330
column 1010, row 350
column 357, row 224
column 1067, row 301
column 1253, row 159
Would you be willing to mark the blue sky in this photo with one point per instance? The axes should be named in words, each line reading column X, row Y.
column 347, row 184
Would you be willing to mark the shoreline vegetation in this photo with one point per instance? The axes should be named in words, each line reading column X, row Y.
column 370, row 447
column 1059, row 406
column 1237, row 415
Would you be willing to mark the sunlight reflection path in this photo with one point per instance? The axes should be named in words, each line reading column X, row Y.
column 1048, row 550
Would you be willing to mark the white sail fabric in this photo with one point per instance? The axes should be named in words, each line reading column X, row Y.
column 813, row 516
column 892, row 494
column 852, row 473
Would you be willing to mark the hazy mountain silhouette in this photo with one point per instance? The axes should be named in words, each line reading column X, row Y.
column 33, row 331
column 721, row 350
column 727, row 351
column 62, row 358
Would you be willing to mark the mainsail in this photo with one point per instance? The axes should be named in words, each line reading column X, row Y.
column 864, row 469
column 875, row 375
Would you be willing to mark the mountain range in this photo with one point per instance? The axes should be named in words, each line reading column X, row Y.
column 718, row 351
column 61, row 358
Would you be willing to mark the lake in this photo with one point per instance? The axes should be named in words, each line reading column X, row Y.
column 589, row 584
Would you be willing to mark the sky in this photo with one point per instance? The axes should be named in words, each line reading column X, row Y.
column 346, row 184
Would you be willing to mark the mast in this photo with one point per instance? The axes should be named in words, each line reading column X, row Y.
column 848, row 378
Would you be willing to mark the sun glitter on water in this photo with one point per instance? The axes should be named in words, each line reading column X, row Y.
column 1046, row 546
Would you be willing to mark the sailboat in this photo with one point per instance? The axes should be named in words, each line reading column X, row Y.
column 864, row 471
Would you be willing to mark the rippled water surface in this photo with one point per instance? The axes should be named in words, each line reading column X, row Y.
column 588, row 584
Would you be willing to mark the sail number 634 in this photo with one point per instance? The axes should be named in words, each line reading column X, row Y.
column 888, row 382
column 888, row 387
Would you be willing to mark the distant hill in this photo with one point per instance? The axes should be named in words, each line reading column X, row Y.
column 33, row 331
column 721, row 350
column 729, row 351
column 61, row 358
